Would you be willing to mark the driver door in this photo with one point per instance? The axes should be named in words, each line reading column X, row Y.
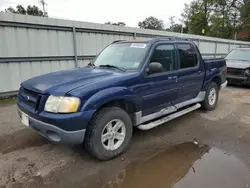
column 161, row 89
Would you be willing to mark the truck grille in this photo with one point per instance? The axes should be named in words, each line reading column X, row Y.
column 237, row 72
column 30, row 98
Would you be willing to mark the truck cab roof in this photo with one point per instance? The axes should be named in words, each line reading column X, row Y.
column 155, row 40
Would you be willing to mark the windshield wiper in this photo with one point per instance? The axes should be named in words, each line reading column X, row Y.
column 91, row 64
column 113, row 66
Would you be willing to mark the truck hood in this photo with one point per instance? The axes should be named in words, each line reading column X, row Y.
column 61, row 82
column 238, row 64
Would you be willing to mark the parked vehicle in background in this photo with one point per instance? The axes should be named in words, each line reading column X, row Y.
column 130, row 83
column 238, row 63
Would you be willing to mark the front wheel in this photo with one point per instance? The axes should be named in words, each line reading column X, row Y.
column 211, row 98
column 109, row 133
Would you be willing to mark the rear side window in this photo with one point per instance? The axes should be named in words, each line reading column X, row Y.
column 187, row 55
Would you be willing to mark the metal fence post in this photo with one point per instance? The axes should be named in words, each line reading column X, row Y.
column 199, row 43
column 134, row 36
column 215, row 51
column 229, row 47
column 75, row 47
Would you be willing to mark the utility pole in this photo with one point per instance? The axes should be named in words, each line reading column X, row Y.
column 43, row 4
column 182, row 23
column 235, row 33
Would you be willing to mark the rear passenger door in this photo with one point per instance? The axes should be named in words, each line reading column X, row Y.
column 191, row 72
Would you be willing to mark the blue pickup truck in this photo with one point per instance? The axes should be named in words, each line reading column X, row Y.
column 129, row 84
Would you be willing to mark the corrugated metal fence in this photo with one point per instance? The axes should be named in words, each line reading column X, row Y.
column 31, row 46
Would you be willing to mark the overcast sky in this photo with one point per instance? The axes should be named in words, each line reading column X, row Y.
column 100, row 11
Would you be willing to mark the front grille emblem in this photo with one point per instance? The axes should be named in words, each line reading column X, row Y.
column 28, row 98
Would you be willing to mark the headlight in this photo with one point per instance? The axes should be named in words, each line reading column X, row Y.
column 57, row 104
column 247, row 71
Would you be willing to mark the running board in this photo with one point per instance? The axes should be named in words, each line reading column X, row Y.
column 168, row 118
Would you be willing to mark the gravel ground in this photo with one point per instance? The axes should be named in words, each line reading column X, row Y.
column 200, row 149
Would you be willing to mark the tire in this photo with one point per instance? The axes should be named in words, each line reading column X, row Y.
column 101, row 125
column 209, row 104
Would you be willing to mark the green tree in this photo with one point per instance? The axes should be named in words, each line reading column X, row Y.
column 228, row 12
column 219, row 18
column 34, row 10
column 118, row 23
column 197, row 14
column 151, row 23
column 30, row 10
column 12, row 10
column 174, row 27
column 220, row 27
column 177, row 28
column 244, row 13
column 244, row 9
column 171, row 21
column 20, row 9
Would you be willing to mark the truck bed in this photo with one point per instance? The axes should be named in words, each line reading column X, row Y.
column 215, row 63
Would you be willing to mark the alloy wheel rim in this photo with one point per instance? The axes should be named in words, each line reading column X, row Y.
column 212, row 97
column 113, row 134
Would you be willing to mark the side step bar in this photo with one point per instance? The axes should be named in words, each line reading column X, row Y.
column 168, row 118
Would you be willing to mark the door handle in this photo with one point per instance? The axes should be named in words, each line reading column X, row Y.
column 175, row 78
column 199, row 72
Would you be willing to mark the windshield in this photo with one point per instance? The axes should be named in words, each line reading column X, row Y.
column 239, row 54
column 127, row 56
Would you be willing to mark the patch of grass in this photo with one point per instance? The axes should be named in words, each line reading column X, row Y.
column 9, row 101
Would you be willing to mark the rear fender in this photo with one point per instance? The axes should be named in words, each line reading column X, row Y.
column 210, row 75
column 107, row 95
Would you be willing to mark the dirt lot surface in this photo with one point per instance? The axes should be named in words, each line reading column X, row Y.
column 208, row 150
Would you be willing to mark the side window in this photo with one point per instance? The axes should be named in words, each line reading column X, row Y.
column 187, row 55
column 165, row 55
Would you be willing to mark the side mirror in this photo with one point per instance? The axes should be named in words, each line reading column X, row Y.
column 154, row 67
column 190, row 54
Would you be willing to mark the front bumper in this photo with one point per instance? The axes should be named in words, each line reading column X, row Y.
column 239, row 80
column 55, row 134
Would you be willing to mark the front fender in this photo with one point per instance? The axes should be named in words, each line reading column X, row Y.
column 107, row 95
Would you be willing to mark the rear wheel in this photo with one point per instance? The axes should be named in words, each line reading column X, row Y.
column 211, row 98
column 109, row 133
